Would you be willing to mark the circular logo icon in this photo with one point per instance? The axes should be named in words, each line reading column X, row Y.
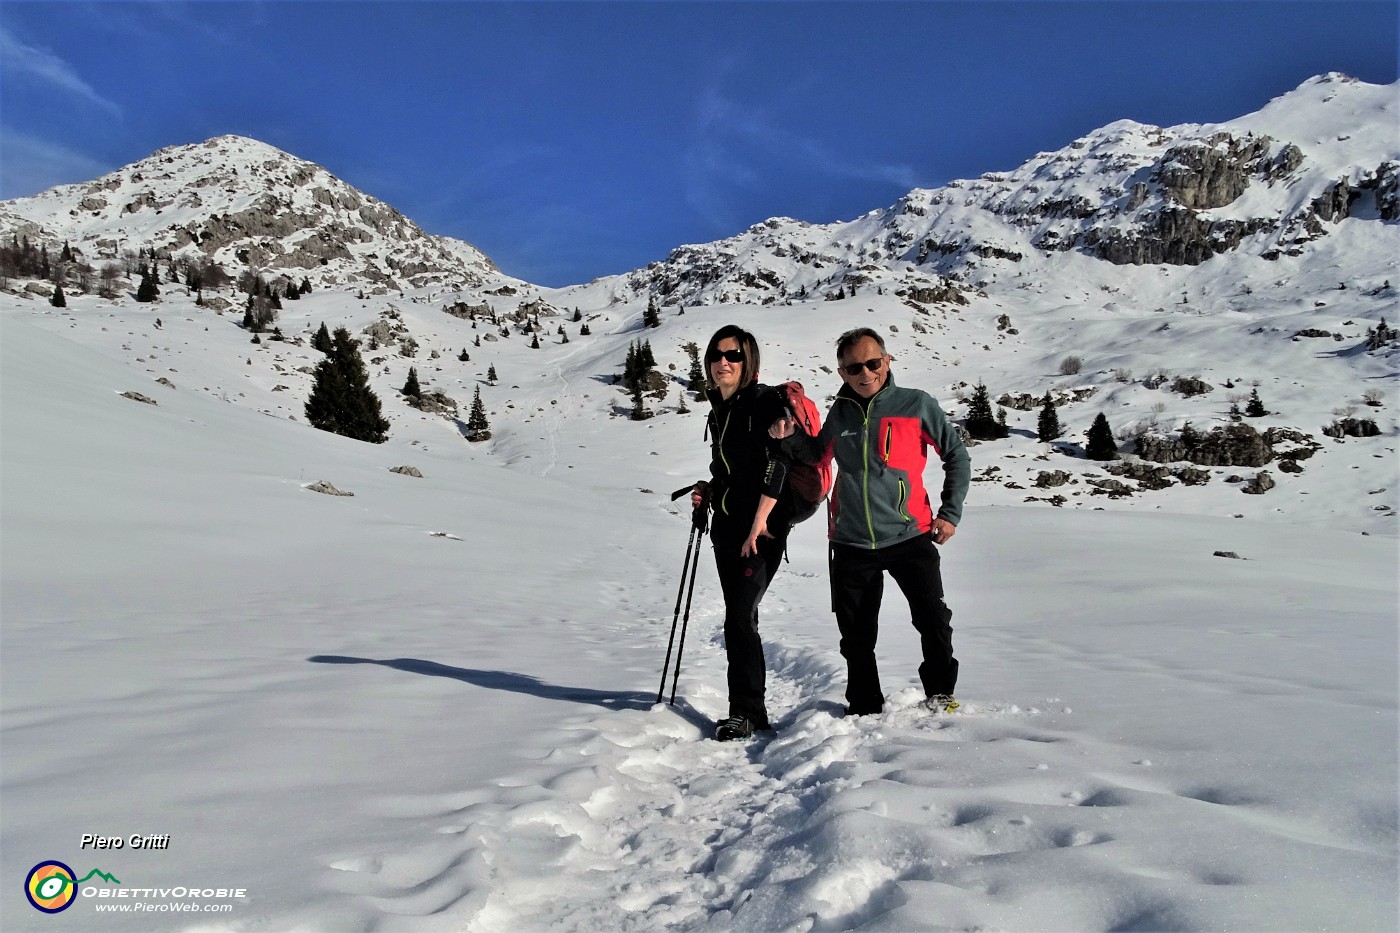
column 50, row 887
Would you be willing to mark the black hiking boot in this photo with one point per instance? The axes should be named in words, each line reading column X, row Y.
column 735, row 728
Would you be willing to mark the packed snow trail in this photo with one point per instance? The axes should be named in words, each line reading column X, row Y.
column 636, row 820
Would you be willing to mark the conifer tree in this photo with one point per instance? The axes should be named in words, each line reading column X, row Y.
column 464, row 356
column 578, row 315
column 148, row 290
column 478, row 428
column 1048, row 426
column 697, row 373
column 67, row 254
column 491, row 373
column 981, row 424
column 342, row 401
column 652, row 316
column 583, row 331
column 305, row 286
column 1190, row 437
column 57, row 299
column 1254, row 408
column 411, row 388
column 322, row 340
column 1101, row 445
column 640, row 412
column 535, row 342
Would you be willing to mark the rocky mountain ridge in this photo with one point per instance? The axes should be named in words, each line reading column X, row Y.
column 1267, row 184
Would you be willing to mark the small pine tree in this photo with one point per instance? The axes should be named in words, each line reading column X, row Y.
column 535, row 342
column 682, row 408
column 1190, row 437
column 478, row 428
column 305, row 286
column 583, row 331
column 697, row 372
column 981, row 424
column 578, row 315
column 147, row 291
column 477, row 341
column 57, row 299
column 1254, row 408
column 322, row 340
column 1101, row 445
column 464, row 356
column 652, row 316
column 640, row 412
column 1048, row 426
column 491, row 373
column 411, row 388
column 342, row 401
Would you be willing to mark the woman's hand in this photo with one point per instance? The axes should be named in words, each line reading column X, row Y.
column 760, row 530
column 783, row 427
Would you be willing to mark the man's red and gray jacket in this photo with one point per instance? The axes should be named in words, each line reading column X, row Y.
column 881, row 448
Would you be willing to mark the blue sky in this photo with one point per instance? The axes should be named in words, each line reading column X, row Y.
column 575, row 139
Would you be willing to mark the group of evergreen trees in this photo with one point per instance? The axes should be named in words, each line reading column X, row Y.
column 982, row 425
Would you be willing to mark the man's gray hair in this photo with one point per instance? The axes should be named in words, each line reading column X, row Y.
column 852, row 337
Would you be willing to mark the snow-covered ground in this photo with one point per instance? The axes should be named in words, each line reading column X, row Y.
column 430, row 706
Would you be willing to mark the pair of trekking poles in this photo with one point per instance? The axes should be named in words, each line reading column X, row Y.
column 699, row 524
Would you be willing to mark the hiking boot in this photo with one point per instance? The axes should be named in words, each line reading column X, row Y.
column 735, row 728
column 852, row 711
column 940, row 703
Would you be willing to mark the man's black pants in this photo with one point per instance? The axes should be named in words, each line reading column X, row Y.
column 744, row 580
column 857, row 584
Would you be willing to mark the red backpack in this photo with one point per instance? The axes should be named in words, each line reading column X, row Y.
column 809, row 482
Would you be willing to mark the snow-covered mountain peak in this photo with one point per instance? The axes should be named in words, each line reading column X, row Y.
column 248, row 205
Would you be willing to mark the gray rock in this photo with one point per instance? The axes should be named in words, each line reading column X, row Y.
column 326, row 488
column 1261, row 484
column 407, row 471
column 138, row 397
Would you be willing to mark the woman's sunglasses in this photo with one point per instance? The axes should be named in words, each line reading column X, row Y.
column 733, row 356
column 854, row 369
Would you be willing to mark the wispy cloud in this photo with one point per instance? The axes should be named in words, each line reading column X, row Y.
column 738, row 146
column 29, row 165
column 18, row 58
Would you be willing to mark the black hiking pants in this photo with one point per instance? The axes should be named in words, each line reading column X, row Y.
column 857, row 585
column 743, row 581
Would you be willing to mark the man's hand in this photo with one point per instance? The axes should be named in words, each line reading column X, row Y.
column 943, row 530
column 783, row 427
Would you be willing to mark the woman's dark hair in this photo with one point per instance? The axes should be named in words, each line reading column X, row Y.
column 746, row 342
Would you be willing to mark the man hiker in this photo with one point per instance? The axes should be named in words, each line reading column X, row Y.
column 880, row 517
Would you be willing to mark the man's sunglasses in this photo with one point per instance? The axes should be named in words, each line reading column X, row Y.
column 733, row 356
column 854, row 369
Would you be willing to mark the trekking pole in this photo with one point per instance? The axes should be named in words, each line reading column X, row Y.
column 685, row 564
column 697, row 524
column 685, row 622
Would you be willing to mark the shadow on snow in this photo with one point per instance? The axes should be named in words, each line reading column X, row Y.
column 517, row 683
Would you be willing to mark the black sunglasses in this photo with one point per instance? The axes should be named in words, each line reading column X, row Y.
column 733, row 356
column 853, row 369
